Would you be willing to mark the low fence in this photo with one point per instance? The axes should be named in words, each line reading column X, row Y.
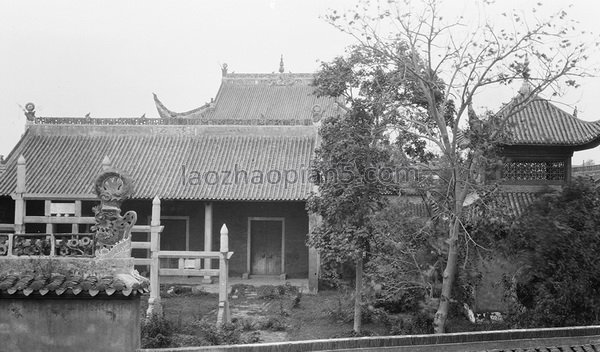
column 553, row 339
column 223, row 255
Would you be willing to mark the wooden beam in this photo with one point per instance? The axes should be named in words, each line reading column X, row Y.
column 142, row 261
column 53, row 196
column 7, row 227
column 189, row 272
column 140, row 245
column 60, row 220
column 145, row 228
column 189, row 254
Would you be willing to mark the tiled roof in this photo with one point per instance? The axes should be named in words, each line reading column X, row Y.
column 544, row 348
column 58, row 284
column 518, row 202
column 171, row 162
column 539, row 122
column 271, row 97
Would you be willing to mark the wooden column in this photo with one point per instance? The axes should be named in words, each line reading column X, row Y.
column 19, row 201
column 154, row 304
column 224, row 315
column 75, row 227
column 49, row 226
column 314, row 260
column 208, row 223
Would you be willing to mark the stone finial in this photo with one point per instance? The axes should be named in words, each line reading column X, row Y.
column 281, row 67
column 224, row 239
column 21, row 160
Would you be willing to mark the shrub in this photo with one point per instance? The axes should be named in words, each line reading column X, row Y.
column 267, row 292
column 225, row 334
column 557, row 242
column 273, row 323
column 156, row 332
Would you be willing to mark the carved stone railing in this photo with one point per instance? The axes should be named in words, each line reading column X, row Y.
column 51, row 245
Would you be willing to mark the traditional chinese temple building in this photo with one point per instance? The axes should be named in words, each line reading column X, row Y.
column 242, row 160
column 541, row 140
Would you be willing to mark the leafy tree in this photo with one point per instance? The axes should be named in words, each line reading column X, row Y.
column 348, row 193
column 557, row 244
column 405, row 259
column 417, row 72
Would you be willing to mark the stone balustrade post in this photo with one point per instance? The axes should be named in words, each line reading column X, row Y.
column 224, row 315
column 154, row 304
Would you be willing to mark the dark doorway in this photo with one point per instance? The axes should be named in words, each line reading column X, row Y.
column 266, row 247
column 174, row 237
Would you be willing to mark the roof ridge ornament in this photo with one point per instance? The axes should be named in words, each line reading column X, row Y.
column 113, row 231
column 281, row 67
column 526, row 87
column 29, row 111
column 224, row 69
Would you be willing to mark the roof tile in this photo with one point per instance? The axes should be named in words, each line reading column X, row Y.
column 59, row 284
column 539, row 122
column 197, row 162
column 273, row 98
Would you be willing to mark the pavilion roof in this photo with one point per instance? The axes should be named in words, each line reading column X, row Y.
column 281, row 98
column 536, row 121
column 168, row 161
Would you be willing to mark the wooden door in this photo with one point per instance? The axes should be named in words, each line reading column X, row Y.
column 173, row 238
column 265, row 247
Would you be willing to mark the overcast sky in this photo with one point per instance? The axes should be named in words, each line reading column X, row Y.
column 107, row 57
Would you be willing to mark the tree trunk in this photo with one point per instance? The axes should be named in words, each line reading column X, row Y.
column 358, row 296
column 439, row 321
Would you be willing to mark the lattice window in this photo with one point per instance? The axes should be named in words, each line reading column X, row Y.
column 535, row 170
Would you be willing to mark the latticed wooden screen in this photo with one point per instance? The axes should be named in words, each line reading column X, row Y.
column 534, row 170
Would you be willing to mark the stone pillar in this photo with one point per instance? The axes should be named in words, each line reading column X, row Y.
column 224, row 315
column 154, row 304
column 208, row 222
column 314, row 260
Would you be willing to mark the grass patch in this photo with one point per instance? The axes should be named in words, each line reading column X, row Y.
column 277, row 313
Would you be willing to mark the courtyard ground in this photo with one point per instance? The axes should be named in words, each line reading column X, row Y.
column 269, row 313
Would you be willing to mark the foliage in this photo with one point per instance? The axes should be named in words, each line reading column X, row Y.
column 417, row 73
column 557, row 242
column 156, row 332
column 225, row 334
column 269, row 292
column 342, row 309
column 406, row 259
column 347, row 163
column 159, row 332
